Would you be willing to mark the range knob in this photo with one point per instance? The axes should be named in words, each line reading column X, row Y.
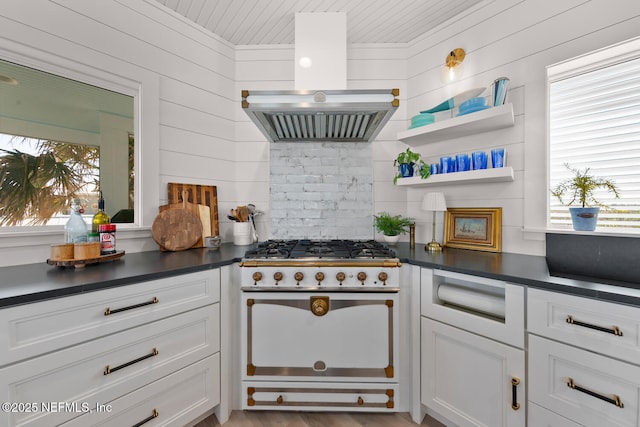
column 383, row 278
column 319, row 277
column 277, row 276
column 298, row 276
column 362, row 276
column 341, row 276
column 257, row 276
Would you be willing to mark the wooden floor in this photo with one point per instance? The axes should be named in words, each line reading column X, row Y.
column 316, row 419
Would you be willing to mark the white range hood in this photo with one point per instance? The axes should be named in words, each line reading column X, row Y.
column 326, row 111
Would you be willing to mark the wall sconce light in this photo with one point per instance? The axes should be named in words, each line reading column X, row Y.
column 452, row 69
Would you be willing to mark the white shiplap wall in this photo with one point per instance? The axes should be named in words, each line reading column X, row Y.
column 186, row 77
column 517, row 39
column 192, row 83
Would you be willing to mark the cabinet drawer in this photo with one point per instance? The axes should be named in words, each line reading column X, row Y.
column 541, row 417
column 105, row 369
column 34, row 329
column 597, row 384
column 468, row 379
column 607, row 328
column 300, row 396
column 466, row 296
column 175, row 400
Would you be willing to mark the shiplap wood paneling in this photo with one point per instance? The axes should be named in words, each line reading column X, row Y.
column 517, row 39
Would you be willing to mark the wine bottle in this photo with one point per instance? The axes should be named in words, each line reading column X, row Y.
column 100, row 217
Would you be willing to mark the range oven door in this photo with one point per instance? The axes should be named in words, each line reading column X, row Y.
column 310, row 336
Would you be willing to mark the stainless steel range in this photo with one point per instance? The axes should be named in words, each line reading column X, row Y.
column 320, row 326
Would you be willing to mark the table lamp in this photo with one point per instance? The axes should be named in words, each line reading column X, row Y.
column 434, row 202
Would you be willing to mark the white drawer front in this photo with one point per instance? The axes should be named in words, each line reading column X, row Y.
column 173, row 400
column 78, row 374
column 552, row 366
column 509, row 329
column 604, row 327
column 34, row 329
column 541, row 417
column 305, row 396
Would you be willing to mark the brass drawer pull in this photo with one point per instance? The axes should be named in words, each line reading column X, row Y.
column 515, row 381
column 280, row 400
column 146, row 420
column 615, row 400
column 109, row 369
column 108, row 311
column 612, row 330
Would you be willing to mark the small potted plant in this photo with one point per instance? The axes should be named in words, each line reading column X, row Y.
column 406, row 162
column 392, row 226
column 579, row 190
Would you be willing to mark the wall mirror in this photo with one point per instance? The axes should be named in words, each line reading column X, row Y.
column 59, row 139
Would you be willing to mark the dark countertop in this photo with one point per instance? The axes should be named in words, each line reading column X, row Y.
column 34, row 282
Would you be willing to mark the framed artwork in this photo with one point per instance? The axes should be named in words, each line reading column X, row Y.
column 473, row 228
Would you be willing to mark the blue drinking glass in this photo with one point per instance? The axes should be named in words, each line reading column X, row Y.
column 497, row 157
column 480, row 160
column 463, row 163
column 435, row 169
column 446, row 165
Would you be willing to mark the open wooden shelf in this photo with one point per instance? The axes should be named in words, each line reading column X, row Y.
column 456, row 127
column 480, row 176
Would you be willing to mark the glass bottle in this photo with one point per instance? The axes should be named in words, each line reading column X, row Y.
column 100, row 217
column 75, row 230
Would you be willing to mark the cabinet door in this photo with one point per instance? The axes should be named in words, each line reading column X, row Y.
column 468, row 379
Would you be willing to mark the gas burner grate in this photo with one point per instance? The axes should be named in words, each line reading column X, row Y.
column 320, row 249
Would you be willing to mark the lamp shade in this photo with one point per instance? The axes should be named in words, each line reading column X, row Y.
column 434, row 202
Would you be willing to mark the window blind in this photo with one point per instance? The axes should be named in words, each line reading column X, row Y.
column 594, row 122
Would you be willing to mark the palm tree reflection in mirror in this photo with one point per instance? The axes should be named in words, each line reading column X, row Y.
column 38, row 181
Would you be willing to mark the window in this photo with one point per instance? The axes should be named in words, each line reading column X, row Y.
column 594, row 122
column 38, row 179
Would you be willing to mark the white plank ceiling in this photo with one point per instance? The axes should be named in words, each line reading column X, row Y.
column 255, row 22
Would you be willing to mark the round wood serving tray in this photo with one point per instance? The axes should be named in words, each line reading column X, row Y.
column 176, row 229
column 79, row 263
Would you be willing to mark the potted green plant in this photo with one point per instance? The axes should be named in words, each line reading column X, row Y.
column 579, row 190
column 406, row 162
column 391, row 226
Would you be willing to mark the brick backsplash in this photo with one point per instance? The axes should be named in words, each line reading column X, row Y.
column 321, row 190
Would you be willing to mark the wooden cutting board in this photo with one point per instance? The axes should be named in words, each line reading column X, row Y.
column 201, row 211
column 176, row 229
column 206, row 195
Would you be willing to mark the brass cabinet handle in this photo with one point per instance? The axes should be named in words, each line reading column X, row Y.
column 614, row 400
column 360, row 401
column 612, row 330
column 109, row 369
column 515, row 381
column 153, row 415
column 108, row 311
column 279, row 400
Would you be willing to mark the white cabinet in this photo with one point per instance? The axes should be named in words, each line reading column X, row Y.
column 541, row 417
column 584, row 359
column 471, row 380
column 586, row 387
column 472, row 356
column 120, row 349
